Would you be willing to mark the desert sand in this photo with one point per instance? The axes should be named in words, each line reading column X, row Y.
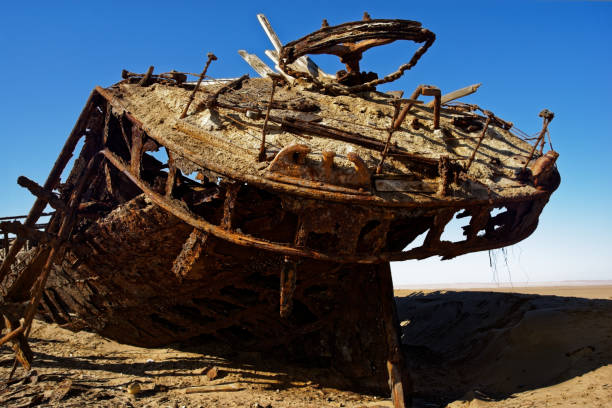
column 511, row 347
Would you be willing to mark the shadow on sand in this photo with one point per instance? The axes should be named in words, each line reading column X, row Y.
column 500, row 343
column 456, row 343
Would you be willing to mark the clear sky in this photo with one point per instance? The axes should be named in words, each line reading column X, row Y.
column 528, row 56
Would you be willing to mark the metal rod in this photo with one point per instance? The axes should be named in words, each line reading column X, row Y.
column 262, row 149
column 211, row 57
column 406, row 109
column 436, row 111
column 547, row 117
column 391, row 129
column 53, row 200
column 144, row 81
column 482, row 135
column 20, row 217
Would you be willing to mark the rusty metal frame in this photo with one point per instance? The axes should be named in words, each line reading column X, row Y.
column 349, row 41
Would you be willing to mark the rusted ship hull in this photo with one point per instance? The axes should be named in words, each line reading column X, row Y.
column 191, row 215
column 128, row 291
column 209, row 259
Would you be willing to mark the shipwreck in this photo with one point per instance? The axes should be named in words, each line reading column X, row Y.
column 265, row 212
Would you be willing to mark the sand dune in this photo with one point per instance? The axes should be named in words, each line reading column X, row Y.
column 509, row 347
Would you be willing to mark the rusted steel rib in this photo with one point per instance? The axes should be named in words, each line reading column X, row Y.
column 427, row 90
column 287, row 286
column 482, row 135
column 448, row 250
column 231, row 195
column 190, row 253
column 171, row 180
column 392, row 128
column 136, row 151
column 20, row 217
column 288, row 279
column 55, row 253
column 52, row 179
column 399, row 380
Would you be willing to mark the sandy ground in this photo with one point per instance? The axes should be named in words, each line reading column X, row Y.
column 468, row 348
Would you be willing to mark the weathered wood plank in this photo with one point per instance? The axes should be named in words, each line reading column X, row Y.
column 459, row 93
column 256, row 63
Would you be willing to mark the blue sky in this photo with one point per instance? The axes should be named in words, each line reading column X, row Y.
column 528, row 56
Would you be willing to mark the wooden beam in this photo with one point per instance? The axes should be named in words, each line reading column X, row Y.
column 459, row 93
column 256, row 63
column 273, row 55
column 304, row 64
column 265, row 24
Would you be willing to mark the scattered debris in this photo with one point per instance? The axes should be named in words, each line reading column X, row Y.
column 213, row 388
column 213, row 373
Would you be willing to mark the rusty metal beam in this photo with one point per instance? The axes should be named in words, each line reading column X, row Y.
column 190, row 253
column 480, row 139
column 262, row 149
column 25, row 232
column 399, row 380
column 37, row 190
column 55, row 253
column 547, row 116
column 392, row 128
column 53, row 178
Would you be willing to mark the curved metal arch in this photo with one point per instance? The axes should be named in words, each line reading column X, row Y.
column 350, row 40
